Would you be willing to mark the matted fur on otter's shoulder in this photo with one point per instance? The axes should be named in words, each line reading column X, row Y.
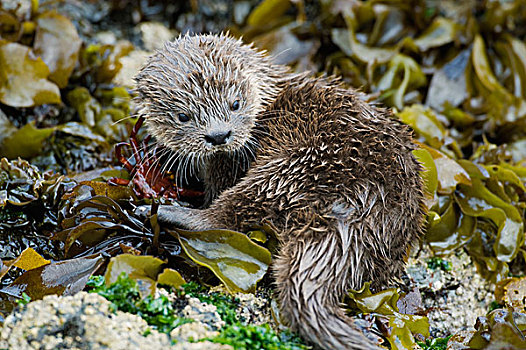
column 335, row 176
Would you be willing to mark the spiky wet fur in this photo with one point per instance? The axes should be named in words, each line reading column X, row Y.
column 334, row 175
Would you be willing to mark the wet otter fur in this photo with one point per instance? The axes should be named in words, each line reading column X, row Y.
column 333, row 174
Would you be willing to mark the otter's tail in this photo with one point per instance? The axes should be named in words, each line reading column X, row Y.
column 312, row 274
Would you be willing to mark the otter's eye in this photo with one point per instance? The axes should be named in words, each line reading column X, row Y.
column 235, row 105
column 183, row 117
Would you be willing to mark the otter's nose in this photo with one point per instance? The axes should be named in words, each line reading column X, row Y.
column 218, row 138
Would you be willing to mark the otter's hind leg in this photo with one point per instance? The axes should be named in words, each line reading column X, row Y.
column 385, row 230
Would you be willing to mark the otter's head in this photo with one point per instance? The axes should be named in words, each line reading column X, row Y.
column 201, row 94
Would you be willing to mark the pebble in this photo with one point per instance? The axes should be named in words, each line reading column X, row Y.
column 204, row 313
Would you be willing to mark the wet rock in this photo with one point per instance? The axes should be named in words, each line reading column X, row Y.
column 154, row 35
column 204, row 313
column 454, row 298
column 82, row 321
column 130, row 66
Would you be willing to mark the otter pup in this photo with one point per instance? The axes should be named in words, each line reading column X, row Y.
column 334, row 175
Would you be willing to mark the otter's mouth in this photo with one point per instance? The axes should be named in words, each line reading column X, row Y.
column 185, row 177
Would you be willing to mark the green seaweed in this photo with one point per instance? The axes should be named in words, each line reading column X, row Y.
column 124, row 296
column 253, row 337
column 435, row 263
column 434, row 344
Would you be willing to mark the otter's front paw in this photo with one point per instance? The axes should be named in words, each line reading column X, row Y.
column 183, row 217
column 169, row 214
column 174, row 215
column 143, row 211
